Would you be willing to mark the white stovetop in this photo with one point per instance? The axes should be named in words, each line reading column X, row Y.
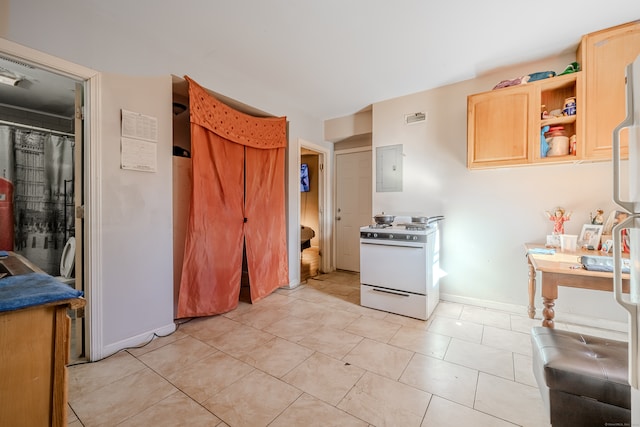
column 396, row 228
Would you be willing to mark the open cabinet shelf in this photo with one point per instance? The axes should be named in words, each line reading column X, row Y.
column 554, row 94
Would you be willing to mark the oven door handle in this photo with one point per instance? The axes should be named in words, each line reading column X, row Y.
column 397, row 245
column 390, row 292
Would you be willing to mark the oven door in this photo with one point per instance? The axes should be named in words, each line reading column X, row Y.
column 399, row 266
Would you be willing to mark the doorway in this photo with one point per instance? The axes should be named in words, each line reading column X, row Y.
column 323, row 233
column 310, row 230
column 42, row 163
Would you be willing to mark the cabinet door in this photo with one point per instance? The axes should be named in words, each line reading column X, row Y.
column 605, row 56
column 499, row 127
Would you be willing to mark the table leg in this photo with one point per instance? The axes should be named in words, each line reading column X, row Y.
column 531, row 310
column 548, row 313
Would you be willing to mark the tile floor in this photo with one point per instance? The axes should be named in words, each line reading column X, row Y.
column 312, row 356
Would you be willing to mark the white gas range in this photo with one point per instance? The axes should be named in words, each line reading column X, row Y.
column 399, row 268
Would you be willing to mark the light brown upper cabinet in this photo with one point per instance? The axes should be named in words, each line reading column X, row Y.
column 504, row 125
column 499, row 127
column 604, row 56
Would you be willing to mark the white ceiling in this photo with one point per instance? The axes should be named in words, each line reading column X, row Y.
column 332, row 58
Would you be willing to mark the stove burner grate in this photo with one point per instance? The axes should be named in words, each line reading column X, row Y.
column 416, row 226
column 380, row 226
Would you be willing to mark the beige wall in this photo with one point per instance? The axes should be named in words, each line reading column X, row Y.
column 489, row 214
column 357, row 141
column 344, row 127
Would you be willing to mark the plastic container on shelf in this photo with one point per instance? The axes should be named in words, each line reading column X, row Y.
column 558, row 141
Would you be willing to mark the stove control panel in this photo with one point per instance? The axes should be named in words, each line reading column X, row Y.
column 373, row 235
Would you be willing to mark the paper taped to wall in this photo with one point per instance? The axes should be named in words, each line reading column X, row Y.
column 138, row 155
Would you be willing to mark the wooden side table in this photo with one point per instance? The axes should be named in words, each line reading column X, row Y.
column 563, row 269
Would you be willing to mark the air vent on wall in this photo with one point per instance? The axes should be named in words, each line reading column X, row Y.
column 15, row 61
column 414, row 118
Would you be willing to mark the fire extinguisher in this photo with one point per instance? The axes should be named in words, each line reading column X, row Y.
column 6, row 215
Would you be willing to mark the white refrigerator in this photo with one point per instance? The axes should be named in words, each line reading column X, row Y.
column 626, row 234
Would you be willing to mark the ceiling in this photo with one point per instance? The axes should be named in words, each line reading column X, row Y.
column 333, row 58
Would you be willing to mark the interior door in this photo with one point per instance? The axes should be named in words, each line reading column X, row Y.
column 353, row 206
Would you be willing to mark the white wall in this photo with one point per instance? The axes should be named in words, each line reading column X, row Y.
column 130, row 216
column 489, row 214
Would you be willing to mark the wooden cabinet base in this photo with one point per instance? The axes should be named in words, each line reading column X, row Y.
column 33, row 372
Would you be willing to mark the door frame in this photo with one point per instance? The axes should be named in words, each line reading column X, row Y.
column 324, row 205
column 89, row 77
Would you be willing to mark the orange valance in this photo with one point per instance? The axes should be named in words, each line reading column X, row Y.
column 233, row 125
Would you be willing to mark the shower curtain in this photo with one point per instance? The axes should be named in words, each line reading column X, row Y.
column 237, row 201
column 39, row 168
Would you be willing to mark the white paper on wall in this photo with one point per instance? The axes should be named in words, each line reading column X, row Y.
column 139, row 126
column 138, row 142
column 138, row 155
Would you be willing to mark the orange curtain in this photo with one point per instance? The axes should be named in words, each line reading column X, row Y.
column 265, row 231
column 237, row 199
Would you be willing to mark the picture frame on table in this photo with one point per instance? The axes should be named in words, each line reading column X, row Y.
column 607, row 245
column 553, row 241
column 590, row 235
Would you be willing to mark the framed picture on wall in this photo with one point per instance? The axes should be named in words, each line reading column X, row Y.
column 304, row 178
column 590, row 235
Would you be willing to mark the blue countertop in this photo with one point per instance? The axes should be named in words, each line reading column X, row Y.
column 29, row 290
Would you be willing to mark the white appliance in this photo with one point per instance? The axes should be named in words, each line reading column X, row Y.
column 399, row 268
column 629, row 229
column 68, row 262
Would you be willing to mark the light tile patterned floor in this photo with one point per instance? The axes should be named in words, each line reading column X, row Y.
column 312, row 356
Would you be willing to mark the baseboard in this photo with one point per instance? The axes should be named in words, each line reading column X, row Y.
column 130, row 342
column 291, row 285
column 511, row 308
column 521, row 310
column 577, row 319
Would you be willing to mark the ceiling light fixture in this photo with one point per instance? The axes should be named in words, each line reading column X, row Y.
column 10, row 81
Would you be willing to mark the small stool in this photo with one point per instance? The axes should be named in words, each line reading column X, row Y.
column 582, row 379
